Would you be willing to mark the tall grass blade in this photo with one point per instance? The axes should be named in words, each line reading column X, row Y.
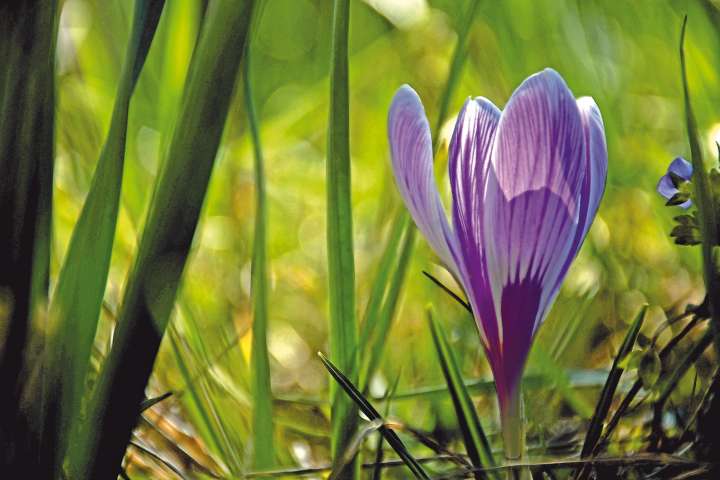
column 28, row 32
column 201, row 402
column 76, row 302
column 341, row 262
column 394, row 263
column 608, row 392
column 165, row 243
column 263, row 448
column 377, row 471
column 372, row 414
column 703, row 199
column 476, row 442
column 381, row 308
column 458, row 60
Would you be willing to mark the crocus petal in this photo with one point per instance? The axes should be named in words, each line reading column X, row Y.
column 531, row 213
column 597, row 163
column 469, row 154
column 412, row 161
column 681, row 167
column 532, row 199
column 666, row 187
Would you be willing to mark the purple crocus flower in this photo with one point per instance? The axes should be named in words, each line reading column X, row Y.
column 526, row 183
column 668, row 186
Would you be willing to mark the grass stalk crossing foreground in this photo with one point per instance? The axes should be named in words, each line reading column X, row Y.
column 263, row 444
column 75, row 306
column 165, row 244
column 341, row 261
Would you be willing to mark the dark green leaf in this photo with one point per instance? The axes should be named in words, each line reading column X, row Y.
column 703, row 198
column 149, row 402
column 96, row 452
column 649, row 368
column 263, row 433
column 476, row 442
column 372, row 414
column 608, row 392
column 75, row 307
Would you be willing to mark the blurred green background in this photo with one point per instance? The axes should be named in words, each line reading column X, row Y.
column 624, row 54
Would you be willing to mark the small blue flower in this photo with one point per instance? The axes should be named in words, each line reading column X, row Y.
column 680, row 170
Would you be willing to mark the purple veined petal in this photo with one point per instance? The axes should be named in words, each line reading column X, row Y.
column 469, row 158
column 412, row 162
column 531, row 207
column 681, row 167
column 666, row 187
column 597, row 163
column 595, row 156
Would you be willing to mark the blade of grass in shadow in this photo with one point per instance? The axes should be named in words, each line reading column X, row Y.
column 637, row 386
column 76, row 302
column 341, row 262
column 96, row 452
column 608, row 392
column 476, row 442
column 390, row 436
column 377, row 471
column 151, row 402
column 672, row 379
column 702, row 199
column 28, row 33
column 263, row 448
column 449, row 291
column 354, row 446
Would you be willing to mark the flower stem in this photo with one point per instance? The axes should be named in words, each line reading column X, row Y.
column 512, row 423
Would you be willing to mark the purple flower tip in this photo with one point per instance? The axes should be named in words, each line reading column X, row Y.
column 667, row 186
column 526, row 183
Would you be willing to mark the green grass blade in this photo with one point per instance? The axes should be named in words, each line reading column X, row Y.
column 476, row 442
column 380, row 280
column 380, row 314
column 263, row 448
column 377, row 471
column 341, row 262
column 372, row 414
column 703, row 199
column 608, row 391
column 210, row 426
column 394, row 279
column 456, row 65
column 637, row 386
column 76, row 302
column 165, row 243
column 688, row 360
